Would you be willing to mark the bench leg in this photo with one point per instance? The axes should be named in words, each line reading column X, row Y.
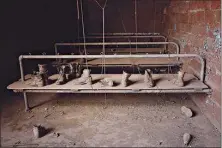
column 26, row 101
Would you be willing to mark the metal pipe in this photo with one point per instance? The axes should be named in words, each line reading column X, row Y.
column 145, row 36
column 154, row 33
column 26, row 101
column 119, row 43
column 114, row 56
column 21, row 69
column 113, row 37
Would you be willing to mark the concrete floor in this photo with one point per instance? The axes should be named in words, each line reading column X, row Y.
column 88, row 120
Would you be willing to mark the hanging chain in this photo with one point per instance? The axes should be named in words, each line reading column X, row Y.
column 136, row 21
column 154, row 22
column 77, row 5
column 83, row 31
column 103, row 51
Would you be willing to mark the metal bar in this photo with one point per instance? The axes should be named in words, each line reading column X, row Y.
column 144, row 36
column 114, row 56
column 113, row 37
column 154, row 33
column 122, row 91
column 26, row 101
column 120, row 65
column 119, row 43
column 21, row 69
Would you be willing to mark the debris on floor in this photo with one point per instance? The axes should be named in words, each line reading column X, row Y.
column 129, row 120
column 36, row 131
column 30, row 117
column 186, row 138
column 187, row 111
column 39, row 131
column 56, row 134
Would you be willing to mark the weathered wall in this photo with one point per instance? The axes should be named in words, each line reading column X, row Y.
column 119, row 12
column 195, row 25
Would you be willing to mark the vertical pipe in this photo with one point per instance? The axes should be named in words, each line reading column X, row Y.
column 136, row 21
column 104, row 39
column 21, row 69
column 26, row 101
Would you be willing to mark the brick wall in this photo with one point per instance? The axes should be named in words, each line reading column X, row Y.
column 195, row 25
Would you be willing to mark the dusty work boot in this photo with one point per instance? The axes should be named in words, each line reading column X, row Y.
column 62, row 77
column 71, row 72
column 148, row 78
column 43, row 71
column 78, row 70
column 107, row 82
column 85, row 78
column 179, row 81
column 125, row 79
column 37, row 80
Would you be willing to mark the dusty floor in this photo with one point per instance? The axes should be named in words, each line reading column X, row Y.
column 86, row 120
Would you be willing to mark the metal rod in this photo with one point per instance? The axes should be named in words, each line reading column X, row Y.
column 26, row 101
column 113, row 37
column 141, row 33
column 119, row 43
column 21, row 69
column 114, row 56
column 145, row 36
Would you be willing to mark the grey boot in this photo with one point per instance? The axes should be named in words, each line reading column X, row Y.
column 179, row 81
column 62, row 77
column 148, row 80
column 43, row 71
column 85, row 78
column 125, row 79
column 37, row 80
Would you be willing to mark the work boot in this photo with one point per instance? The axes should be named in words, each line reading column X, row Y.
column 148, row 78
column 78, row 70
column 125, row 79
column 43, row 71
column 71, row 73
column 37, row 80
column 179, row 81
column 62, row 77
column 85, row 78
column 106, row 82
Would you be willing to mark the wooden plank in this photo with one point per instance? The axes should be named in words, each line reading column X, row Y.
column 162, row 82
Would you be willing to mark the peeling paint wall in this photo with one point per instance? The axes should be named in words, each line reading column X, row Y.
column 196, row 26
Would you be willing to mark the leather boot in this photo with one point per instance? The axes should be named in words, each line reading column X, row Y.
column 85, row 78
column 62, row 77
column 148, row 78
column 125, row 79
column 179, row 81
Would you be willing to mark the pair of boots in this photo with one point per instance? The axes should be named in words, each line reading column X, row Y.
column 64, row 76
column 147, row 79
column 177, row 81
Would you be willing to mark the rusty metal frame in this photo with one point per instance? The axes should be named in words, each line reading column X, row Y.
column 111, row 91
column 116, row 43
column 202, row 71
